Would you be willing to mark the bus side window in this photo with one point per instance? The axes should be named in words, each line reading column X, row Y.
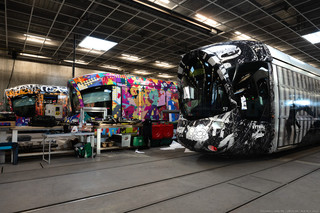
column 251, row 88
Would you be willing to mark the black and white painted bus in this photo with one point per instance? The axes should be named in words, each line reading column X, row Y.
column 244, row 97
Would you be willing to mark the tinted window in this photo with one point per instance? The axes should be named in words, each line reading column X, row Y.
column 100, row 96
column 24, row 106
column 251, row 88
column 202, row 93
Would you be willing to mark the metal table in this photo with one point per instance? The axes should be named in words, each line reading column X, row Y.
column 16, row 129
column 46, row 136
column 104, row 126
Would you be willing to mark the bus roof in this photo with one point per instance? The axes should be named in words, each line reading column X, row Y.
column 98, row 79
column 278, row 55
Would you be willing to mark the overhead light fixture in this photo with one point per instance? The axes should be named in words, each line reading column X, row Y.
column 111, row 67
column 97, row 44
column 165, row 76
column 164, row 3
column 160, row 1
column 242, row 36
column 77, row 62
column 163, row 64
column 141, row 72
column 206, row 20
column 34, row 56
column 130, row 57
column 313, row 38
column 37, row 39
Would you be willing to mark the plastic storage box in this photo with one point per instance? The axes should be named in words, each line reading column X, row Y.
column 122, row 140
column 138, row 141
column 167, row 130
column 157, row 132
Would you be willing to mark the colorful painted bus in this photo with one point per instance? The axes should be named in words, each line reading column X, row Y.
column 124, row 97
column 31, row 100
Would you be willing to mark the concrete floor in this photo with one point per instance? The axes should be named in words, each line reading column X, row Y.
column 164, row 181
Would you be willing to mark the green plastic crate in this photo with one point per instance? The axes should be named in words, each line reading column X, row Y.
column 138, row 141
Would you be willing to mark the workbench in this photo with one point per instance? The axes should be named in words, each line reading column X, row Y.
column 47, row 136
column 105, row 126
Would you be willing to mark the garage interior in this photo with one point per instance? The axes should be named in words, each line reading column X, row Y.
column 149, row 31
column 39, row 44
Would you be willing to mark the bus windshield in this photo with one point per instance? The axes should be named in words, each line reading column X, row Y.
column 24, row 106
column 100, row 96
column 202, row 93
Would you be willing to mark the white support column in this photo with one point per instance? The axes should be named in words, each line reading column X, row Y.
column 98, row 140
column 15, row 135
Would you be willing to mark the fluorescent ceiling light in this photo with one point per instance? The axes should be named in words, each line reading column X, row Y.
column 97, row 44
column 37, row 39
column 130, row 57
column 77, row 62
column 165, row 76
column 206, row 20
column 313, row 38
column 242, row 36
column 245, row 37
column 111, row 67
column 163, row 64
column 34, row 56
column 141, row 72
column 164, row 3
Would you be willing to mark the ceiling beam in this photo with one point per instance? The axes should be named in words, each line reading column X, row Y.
column 74, row 26
column 30, row 18
column 53, row 22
